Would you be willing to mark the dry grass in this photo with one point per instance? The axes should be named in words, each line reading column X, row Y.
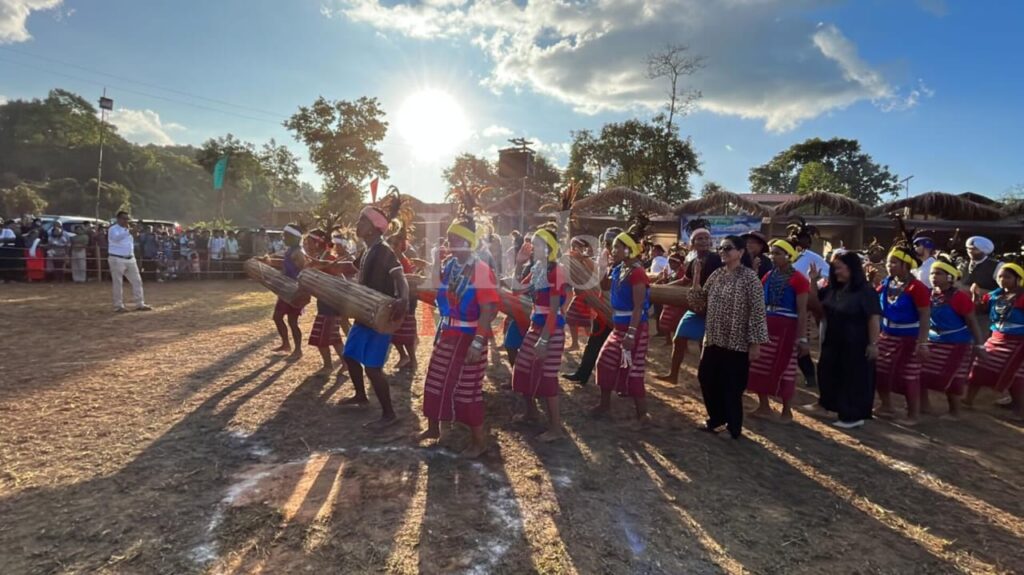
column 620, row 197
column 719, row 201
column 173, row 442
column 834, row 203
column 941, row 205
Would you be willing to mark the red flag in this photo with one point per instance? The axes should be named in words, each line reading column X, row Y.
column 373, row 190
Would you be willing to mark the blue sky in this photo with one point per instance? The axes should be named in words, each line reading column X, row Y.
column 930, row 87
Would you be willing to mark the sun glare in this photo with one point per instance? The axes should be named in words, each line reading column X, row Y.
column 432, row 123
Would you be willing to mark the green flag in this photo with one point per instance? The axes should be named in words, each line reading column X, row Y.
column 218, row 172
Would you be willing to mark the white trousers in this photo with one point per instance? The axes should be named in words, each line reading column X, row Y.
column 121, row 268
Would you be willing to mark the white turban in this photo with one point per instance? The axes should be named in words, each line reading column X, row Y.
column 983, row 244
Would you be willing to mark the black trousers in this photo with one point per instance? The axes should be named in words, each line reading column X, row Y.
column 723, row 379
column 598, row 334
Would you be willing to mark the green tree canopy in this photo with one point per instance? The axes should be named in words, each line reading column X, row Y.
column 843, row 169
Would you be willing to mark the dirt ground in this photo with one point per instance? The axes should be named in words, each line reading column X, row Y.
column 175, row 442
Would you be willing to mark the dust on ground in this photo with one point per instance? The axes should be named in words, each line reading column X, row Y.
column 174, row 442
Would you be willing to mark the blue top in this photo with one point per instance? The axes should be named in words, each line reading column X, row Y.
column 947, row 319
column 622, row 294
column 900, row 318
column 288, row 266
column 785, row 304
column 464, row 290
column 1007, row 317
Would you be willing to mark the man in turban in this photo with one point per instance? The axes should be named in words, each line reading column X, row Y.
column 981, row 272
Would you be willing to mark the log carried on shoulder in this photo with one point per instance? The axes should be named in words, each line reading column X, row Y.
column 669, row 295
column 516, row 306
column 283, row 286
column 583, row 278
column 366, row 305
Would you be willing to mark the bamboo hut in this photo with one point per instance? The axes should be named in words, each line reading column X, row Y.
column 618, row 197
column 836, row 204
column 940, row 205
column 722, row 202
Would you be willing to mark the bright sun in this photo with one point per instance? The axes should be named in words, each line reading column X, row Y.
column 432, row 123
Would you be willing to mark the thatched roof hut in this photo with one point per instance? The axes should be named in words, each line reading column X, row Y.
column 940, row 205
column 721, row 201
column 837, row 204
column 619, row 196
column 1014, row 209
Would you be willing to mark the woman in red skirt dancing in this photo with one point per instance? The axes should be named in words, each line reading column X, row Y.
column 579, row 316
column 1002, row 365
column 535, row 374
column 620, row 366
column 405, row 338
column 953, row 329
column 668, row 321
column 326, row 332
column 454, row 387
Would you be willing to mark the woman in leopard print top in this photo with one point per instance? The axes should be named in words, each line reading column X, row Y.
column 736, row 328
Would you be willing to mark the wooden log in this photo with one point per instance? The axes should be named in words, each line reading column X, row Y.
column 669, row 295
column 366, row 305
column 283, row 286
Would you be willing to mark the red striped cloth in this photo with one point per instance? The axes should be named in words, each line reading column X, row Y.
column 1002, row 367
column 898, row 370
column 947, row 367
column 774, row 373
column 406, row 333
column 534, row 378
column 579, row 313
column 454, row 390
column 669, row 319
column 627, row 383
column 326, row 331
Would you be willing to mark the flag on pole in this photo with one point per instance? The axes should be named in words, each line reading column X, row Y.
column 373, row 190
column 219, row 170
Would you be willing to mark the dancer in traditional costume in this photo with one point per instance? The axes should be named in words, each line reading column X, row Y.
column 406, row 337
column 1002, row 365
column 903, row 346
column 600, row 330
column 291, row 263
column 579, row 316
column 953, row 330
column 785, row 293
column 379, row 269
column 698, row 270
column 535, row 374
column 515, row 326
column 326, row 332
column 620, row 366
column 670, row 316
column 802, row 237
column 454, row 386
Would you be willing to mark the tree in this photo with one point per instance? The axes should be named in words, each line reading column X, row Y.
column 343, row 139
column 673, row 61
column 856, row 174
column 632, row 153
column 21, row 199
column 470, row 170
column 585, row 162
column 815, row 177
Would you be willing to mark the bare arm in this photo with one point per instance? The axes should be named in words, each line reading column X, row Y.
column 801, row 324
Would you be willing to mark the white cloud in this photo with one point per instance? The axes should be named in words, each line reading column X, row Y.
column 728, row 148
column 764, row 60
column 14, row 14
column 143, row 126
column 3, row 99
column 496, row 132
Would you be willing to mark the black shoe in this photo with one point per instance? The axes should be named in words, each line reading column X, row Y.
column 572, row 377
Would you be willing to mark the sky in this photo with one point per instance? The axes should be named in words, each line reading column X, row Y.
column 931, row 88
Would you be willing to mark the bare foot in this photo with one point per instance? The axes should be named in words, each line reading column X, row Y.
column 762, row 413
column 382, row 423
column 343, row 369
column 295, row 356
column 355, row 400
column 402, row 362
column 599, row 411
column 325, row 370
column 428, row 434
column 473, row 451
column 281, row 349
column 551, row 435
column 885, row 411
column 668, row 377
column 786, row 418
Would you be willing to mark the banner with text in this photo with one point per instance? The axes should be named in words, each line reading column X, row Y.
column 722, row 226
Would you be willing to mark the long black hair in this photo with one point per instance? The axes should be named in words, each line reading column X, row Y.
column 741, row 244
column 858, row 279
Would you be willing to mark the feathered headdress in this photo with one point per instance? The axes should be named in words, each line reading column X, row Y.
column 801, row 229
column 698, row 226
column 399, row 212
column 903, row 243
column 875, row 251
column 638, row 226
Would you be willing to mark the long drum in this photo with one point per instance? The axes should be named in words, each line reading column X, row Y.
column 583, row 277
column 366, row 305
column 669, row 295
column 418, row 289
column 283, row 286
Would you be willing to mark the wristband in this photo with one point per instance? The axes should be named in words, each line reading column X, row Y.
column 803, row 340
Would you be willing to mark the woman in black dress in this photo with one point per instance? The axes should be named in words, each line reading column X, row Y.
column 846, row 371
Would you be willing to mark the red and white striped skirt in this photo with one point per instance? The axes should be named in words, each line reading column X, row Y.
column 669, row 318
column 947, row 367
column 534, row 377
column 406, row 333
column 774, row 373
column 898, row 370
column 579, row 313
column 1001, row 367
column 454, row 389
column 627, row 382
column 326, row 331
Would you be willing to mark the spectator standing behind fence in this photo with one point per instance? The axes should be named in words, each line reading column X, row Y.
column 150, row 248
column 57, row 253
column 11, row 251
column 259, row 243
column 121, row 248
column 216, row 247
column 79, row 247
column 231, row 254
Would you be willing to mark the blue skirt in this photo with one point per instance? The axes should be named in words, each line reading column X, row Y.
column 691, row 327
column 513, row 336
column 367, row 346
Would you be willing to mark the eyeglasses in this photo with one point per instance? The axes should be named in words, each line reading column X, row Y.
column 725, row 249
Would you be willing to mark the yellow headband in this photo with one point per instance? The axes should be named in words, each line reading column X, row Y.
column 464, row 233
column 550, row 240
column 634, row 248
column 947, row 268
column 903, row 257
column 786, row 247
column 1015, row 269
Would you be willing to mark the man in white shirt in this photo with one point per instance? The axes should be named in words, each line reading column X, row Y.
column 218, row 245
column 659, row 261
column 925, row 248
column 121, row 258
